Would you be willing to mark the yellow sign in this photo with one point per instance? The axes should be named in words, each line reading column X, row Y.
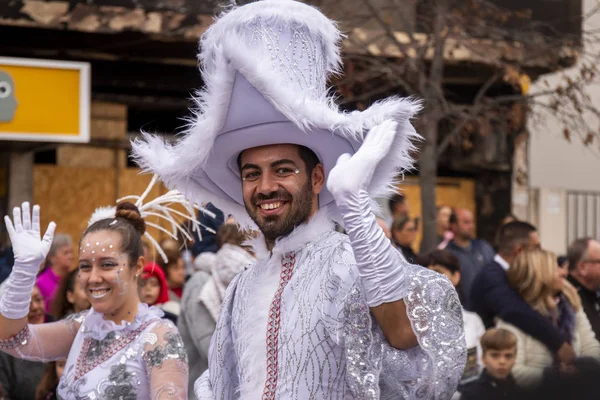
column 44, row 100
column 525, row 82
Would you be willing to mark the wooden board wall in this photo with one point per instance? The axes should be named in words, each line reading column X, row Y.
column 69, row 195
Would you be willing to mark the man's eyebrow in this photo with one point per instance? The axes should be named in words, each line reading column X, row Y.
column 273, row 164
column 283, row 161
column 250, row 166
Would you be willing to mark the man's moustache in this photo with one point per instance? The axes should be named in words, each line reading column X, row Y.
column 273, row 197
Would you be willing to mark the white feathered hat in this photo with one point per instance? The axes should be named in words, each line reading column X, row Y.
column 265, row 66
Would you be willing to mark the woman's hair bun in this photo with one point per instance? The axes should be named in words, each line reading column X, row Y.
column 129, row 212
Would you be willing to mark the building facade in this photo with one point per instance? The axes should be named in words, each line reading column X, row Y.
column 561, row 192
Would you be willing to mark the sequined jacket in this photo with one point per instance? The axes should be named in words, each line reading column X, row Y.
column 312, row 336
column 144, row 359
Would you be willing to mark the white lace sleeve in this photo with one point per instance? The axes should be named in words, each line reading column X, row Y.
column 435, row 314
column 44, row 342
column 166, row 362
column 376, row 370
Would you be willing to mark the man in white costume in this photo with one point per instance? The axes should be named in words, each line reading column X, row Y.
column 321, row 315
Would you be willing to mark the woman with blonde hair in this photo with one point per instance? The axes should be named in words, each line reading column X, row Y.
column 535, row 275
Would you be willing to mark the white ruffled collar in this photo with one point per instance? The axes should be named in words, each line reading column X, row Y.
column 96, row 327
column 300, row 236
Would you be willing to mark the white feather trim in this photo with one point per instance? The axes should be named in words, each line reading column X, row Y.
column 223, row 54
column 101, row 213
column 258, row 246
column 303, row 234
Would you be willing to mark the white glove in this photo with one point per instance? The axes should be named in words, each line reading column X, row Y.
column 380, row 266
column 29, row 252
column 352, row 174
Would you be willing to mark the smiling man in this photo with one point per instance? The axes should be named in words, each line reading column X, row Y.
column 280, row 186
column 321, row 314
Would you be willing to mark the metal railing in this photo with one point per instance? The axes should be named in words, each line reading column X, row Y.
column 583, row 215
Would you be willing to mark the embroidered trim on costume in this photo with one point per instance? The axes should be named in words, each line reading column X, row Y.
column 287, row 267
column 114, row 342
column 20, row 339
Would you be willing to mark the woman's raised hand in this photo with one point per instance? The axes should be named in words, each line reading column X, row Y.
column 29, row 248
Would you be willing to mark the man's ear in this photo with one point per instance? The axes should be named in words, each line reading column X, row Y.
column 318, row 178
column 518, row 249
column 455, row 278
column 581, row 268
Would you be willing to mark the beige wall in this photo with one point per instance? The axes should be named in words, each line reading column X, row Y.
column 554, row 161
column 552, row 221
column 557, row 166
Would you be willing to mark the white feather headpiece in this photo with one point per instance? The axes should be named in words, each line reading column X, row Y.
column 161, row 207
column 265, row 66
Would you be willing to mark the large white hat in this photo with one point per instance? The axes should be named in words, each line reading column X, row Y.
column 265, row 67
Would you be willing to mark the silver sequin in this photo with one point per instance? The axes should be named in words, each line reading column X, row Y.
column 296, row 54
column 330, row 346
column 173, row 349
column 150, row 338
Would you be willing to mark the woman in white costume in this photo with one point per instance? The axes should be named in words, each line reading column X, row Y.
column 120, row 349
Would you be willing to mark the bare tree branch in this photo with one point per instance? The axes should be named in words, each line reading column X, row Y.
column 388, row 30
column 475, row 34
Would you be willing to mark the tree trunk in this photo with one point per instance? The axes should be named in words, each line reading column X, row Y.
column 428, row 178
column 493, row 201
column 428, row 161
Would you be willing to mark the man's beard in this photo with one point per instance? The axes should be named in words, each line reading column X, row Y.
column 276, row 226
column 466, row 236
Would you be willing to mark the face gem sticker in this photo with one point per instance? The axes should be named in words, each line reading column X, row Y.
column 97, row 248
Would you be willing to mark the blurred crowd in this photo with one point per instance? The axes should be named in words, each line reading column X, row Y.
column 531, row 318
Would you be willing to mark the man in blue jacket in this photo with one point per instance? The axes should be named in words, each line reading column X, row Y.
column 492, row 297
column 472, row 253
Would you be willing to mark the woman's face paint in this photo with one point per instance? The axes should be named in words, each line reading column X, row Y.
column 105, row 272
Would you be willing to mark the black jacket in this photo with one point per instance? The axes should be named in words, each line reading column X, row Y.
column 492, row 297
column 590, row 301
column 489, row 388
column 408, row 253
